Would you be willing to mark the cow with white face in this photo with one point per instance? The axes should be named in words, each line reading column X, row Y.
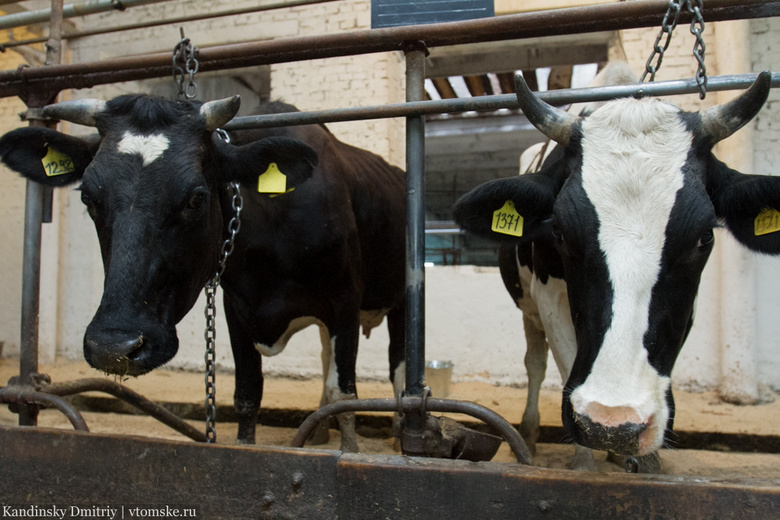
column 628, row 214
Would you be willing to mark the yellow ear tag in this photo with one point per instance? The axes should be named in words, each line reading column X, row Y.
column 507, row 220
column 57, row 163
column 272, row 180
column 768, row 221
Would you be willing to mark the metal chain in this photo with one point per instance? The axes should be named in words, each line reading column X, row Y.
column 697, row 28
column 185, row 65
column 667, row 27
column 211, row 308
column 668, row 24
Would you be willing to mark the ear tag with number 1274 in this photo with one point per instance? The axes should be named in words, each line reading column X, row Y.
column 272, row 180
column 507, row 220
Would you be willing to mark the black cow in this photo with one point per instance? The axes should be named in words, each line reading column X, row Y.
column 626, row 218
column 325, row 248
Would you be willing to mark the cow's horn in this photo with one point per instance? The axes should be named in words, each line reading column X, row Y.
column 553, row 122
column 79, row 111
column 214, row 114
column 721, row 121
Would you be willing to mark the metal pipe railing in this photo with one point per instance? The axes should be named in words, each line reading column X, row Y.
column 415, row 230
column 492, row 103
column 168, row 21
column 603, row 17
column 23, row 19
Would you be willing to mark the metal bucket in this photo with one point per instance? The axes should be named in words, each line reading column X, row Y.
column 438, row 375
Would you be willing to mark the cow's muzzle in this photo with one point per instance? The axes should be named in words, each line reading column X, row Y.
column 622, row 439
column 126, row 353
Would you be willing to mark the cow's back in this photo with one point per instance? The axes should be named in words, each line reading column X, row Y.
column 375, row 190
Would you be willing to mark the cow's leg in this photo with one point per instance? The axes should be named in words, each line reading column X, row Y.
column 536, row 367
column 553, row 304
column 249, row 376
column 340, row 351
column 321, row 435
column 396, row 353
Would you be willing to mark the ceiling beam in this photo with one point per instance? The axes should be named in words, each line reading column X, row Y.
column 444, row 88
column 481, row 58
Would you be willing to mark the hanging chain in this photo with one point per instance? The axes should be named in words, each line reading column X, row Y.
column 211, row 308
column 185, row 65
column 667, row 27
column 668, row 24
column 697, row 28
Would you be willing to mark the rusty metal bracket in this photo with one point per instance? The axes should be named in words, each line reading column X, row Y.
column 34, row 114
column 41, row 392
column 414, row 404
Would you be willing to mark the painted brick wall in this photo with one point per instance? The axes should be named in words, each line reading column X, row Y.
column 310, row 85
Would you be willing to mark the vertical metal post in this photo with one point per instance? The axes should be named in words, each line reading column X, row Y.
column 37, row 203
column 415, row 230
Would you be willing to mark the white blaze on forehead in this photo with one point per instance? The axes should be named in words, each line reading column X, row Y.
column 633, row 153
column 149, row 147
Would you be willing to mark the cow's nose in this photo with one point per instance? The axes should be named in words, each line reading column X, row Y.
column 623, row 438
column 115, row 352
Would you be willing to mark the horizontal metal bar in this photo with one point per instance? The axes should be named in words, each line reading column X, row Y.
column 129, row 396
column 167, row 21
column 414, row 404
column 25, row 18
column 575, row 20
column 492, row 103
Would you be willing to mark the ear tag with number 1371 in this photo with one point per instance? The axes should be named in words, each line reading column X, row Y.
column 768, row 221
column 272, row 180
column 507, row 220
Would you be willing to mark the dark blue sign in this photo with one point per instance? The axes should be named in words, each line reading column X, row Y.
column 392, row 13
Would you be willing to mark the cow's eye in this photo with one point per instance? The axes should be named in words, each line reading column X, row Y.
column 198, row 199
column 706, row 239
column 89, row 202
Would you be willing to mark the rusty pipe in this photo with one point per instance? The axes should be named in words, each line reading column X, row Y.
column 129, row 396
column 29, row 396
column 414, row 404
column 603, row 17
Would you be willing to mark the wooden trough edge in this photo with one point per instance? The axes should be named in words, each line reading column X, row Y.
column 42, row 468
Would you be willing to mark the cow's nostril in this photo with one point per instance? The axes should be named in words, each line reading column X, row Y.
column 135, row 352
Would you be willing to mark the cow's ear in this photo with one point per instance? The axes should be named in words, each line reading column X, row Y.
column 509, row 210
column 46, row 156
column 273, row 164
column 749, row 205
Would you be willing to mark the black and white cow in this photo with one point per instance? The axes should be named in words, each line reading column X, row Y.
column 539, row 291
column 325, row 250
column 626, row 218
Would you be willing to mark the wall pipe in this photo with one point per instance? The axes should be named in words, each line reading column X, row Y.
column 603, row 17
